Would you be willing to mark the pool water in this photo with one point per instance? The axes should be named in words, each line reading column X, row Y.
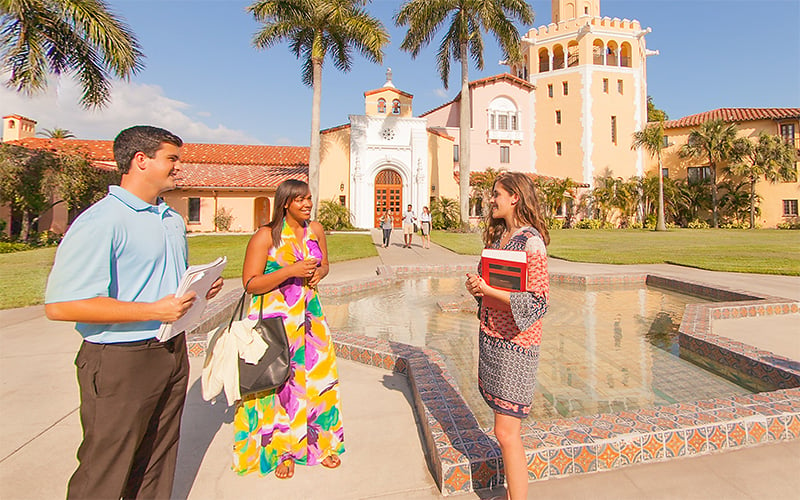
column 603, row 349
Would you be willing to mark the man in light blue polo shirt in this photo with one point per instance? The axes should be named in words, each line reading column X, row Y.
column 115, row 275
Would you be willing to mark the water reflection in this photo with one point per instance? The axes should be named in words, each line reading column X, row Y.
column 602, row 350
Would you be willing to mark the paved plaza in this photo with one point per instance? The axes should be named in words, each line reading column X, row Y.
column 40, row 430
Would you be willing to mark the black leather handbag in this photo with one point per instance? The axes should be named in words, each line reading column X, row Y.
column 273, row 369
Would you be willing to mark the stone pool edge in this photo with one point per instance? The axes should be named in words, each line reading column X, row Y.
column 464, row 458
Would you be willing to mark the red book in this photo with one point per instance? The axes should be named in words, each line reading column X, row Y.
column 505, row 270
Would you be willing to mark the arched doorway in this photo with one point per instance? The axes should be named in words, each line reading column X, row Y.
column 388, row 195
column 261, row 211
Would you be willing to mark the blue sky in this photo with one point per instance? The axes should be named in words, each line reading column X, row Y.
column 205, row 81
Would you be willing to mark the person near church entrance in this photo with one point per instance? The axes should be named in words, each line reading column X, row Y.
column 425, row 227
column 115, row 275
column 409, row 219
column 387, row 222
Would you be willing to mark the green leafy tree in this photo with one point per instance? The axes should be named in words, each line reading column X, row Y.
column 464, row 21
column 651, row 139
column 734, row 202
column 769, row 157
column 57, row 133
column 77, row 37
column 313, row 29
column 653, row 113
column 77, row 182
column 712, row 141
column 21, row 182
column 482, row 184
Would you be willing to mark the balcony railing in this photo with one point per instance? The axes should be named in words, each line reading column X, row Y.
column 506, row 135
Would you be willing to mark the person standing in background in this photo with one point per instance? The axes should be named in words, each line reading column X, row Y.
column 387, row 223
column 408, row 226
column 425, row 227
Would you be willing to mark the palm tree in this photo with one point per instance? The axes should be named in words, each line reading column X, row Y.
column 482, row 184
column 770, row 157
column 314, row 28
column 66, row 36
column 651, row 139
column 57, row 133
column 713, row 141
column 466, row 20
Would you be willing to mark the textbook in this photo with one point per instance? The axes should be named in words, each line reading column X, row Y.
column 505, row 270
column 198, row 279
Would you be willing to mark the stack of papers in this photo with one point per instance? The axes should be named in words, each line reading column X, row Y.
column 196, row 279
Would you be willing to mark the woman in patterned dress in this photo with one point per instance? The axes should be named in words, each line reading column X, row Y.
column 510, row 336
column 300, row 422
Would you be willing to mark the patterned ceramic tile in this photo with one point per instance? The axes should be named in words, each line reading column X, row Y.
column 792, row 423
column 776, row 428
column 674, row 444
column 608, row 455
column 538, row 466
column 560, row 461
column 630, row 452
column 756, row 431
column 696, row 441
column 456, row 479
column 652, row 447
column 737, row 434
column 584, row 460
column 485, row 474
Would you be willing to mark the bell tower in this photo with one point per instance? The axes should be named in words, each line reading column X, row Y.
column 564, row 10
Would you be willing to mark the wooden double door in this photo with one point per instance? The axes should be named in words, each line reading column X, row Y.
column 388, row 196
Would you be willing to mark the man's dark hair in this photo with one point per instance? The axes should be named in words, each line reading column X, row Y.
column 142, row 138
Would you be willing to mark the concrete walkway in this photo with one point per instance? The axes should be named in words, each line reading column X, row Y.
column 40, row 430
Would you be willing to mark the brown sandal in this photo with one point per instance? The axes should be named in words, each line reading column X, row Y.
column 331, row 461
column 285, row 470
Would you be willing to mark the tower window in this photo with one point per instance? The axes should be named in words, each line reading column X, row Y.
column 395, row 107
column 558, row 116
column 505, row 153
column 550, row 90
column 566, row 87
column 558, row 148
column 619, row 86
column 605, row 85
column 455, row 152
column 614, row 129
column 381, row 105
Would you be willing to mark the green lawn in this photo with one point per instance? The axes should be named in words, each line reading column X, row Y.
column 768, row 251
column 24, row 274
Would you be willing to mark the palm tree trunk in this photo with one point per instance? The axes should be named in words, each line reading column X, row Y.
column 314, row 152
column 25, row 229
column 464, row 127
column 714, row 221
column 660, row 225
column 752, row 203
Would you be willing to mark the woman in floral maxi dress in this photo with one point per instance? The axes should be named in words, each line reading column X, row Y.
column 299, row 422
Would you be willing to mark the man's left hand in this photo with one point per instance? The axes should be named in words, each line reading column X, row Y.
column 215, row 288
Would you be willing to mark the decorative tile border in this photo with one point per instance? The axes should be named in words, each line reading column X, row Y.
column 466, row 458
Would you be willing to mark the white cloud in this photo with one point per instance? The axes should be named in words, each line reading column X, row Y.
column 131, row 104
column 440, row 92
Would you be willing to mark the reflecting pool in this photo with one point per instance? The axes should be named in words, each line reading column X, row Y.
column 603, row 349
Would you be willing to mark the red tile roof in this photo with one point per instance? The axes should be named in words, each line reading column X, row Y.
column 734, row 115
column 207, row 165
column 228, row 176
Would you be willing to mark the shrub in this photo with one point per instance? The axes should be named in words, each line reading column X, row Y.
column 635, row 225
column 555, row 223
column 590, row 224
column 11, row 247
column 790, row 224
column 223, row 219
column 333, row 216
column 735, row 225
column 651, row 220
column 698, row 224
column 48, row 239
column 445, row 214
